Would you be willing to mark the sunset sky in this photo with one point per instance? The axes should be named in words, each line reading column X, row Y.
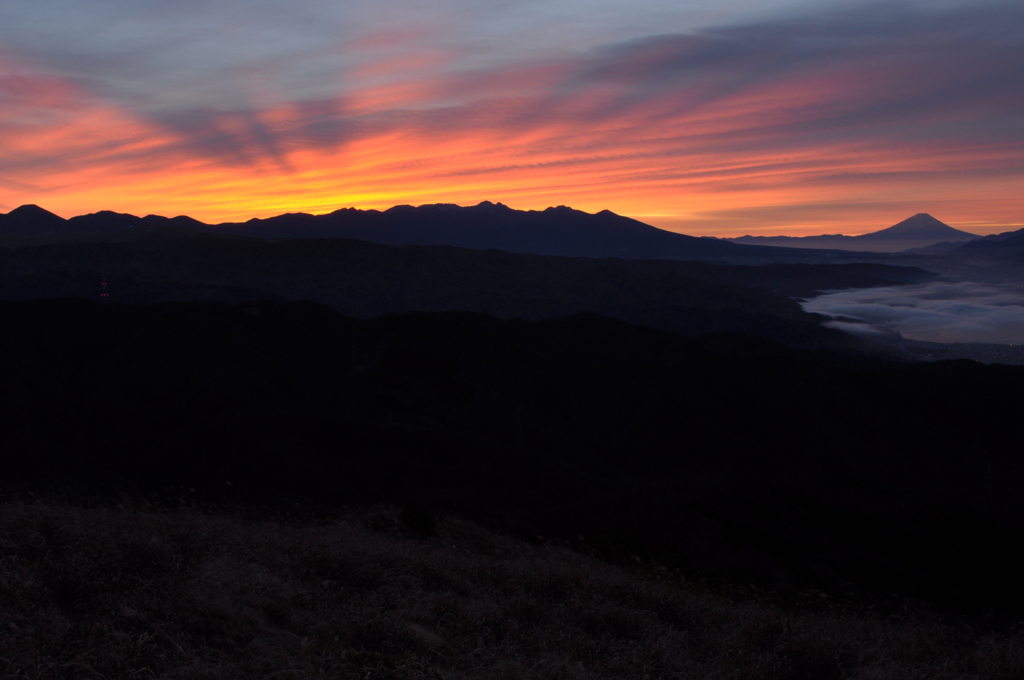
column 721, row 117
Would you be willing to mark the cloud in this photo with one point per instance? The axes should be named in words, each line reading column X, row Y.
column 919, row 73
column 936, row 312
column 712, row 114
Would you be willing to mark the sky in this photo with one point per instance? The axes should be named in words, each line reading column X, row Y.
column 709, row 117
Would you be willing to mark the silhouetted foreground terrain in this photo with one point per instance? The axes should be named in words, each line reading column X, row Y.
column 95, row 593
column 731, row 457
column 716, row 442
column 366, row 280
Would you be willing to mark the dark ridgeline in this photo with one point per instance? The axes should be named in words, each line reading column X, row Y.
column 554, row 231
column 32, row 220
column 916, row 232
column 919, row 226
column 158, row 263
column 103, row 222
column 1008, row 243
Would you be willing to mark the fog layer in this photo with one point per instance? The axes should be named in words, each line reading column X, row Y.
column 935, row 312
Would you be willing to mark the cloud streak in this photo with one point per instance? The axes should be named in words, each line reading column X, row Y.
column 936, row 312
column 727, row 128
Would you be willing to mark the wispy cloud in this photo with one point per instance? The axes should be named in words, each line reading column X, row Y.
column 695, row 117
column 937, row 312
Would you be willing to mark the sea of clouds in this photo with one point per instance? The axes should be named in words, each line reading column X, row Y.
column 934, row 312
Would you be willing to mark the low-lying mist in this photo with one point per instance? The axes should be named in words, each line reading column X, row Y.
column 934, row 312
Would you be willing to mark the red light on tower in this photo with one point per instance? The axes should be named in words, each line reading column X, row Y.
column 104, row 292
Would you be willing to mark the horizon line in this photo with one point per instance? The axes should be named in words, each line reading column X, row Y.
column 644, row 219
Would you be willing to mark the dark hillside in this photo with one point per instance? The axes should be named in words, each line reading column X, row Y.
column 1012, row 243
column 133, row 592
column 362, row 279
column 732, row 457
column 800, row 279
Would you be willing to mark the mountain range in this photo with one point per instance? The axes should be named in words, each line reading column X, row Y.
column 494, row 226
column 920, row 231
column 554, row 231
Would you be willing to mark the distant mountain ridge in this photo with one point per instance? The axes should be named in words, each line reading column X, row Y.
column 32, row 220
column 999, row 244
column 153, row 263
column 555, row 231
column 493, row 226
column 919, row 231
column 559, row 230
column 921, row 225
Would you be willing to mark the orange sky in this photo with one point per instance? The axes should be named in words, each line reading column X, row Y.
column 838, row 145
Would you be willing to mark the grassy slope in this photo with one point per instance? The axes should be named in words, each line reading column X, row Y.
column 135, row 593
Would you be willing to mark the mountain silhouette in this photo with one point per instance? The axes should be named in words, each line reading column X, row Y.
column 920, row 231
column 32, row 220
column 554, row 231
column 1008, row 243
column 921, row 226
column 102, row 222
column 487, row 226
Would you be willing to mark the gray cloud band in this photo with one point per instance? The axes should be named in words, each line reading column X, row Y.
column 955, row 73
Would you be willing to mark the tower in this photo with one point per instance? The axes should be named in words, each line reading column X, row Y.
column 104, row 291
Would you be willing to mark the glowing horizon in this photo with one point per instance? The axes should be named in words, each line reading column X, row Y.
column 771, row 121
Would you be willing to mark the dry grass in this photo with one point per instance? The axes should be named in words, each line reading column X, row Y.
column 125, row 594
